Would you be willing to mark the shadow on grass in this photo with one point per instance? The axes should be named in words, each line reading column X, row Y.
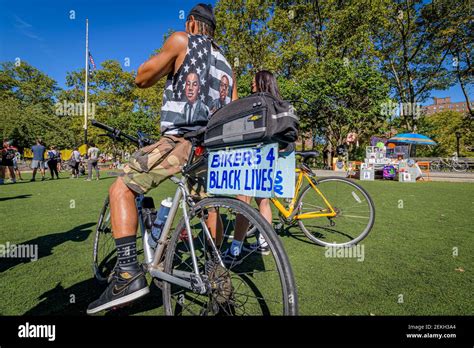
column 47, row 243
column 14, row 197
column 75, row 299
column 295, row 233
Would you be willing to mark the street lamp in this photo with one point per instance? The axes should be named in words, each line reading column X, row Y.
column 458, row 136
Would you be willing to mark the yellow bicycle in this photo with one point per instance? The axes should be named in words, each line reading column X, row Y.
column 331, row 211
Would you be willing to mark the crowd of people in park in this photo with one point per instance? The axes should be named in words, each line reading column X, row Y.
column 50, row 159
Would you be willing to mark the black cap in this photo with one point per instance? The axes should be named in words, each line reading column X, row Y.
column 203, row 13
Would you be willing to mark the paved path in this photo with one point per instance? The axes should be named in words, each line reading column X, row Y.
column 445, row 176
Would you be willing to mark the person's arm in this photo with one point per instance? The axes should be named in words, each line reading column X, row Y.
column 163, row 63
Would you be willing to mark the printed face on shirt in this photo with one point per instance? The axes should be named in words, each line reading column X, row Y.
column 223, row 88
column 192, row 87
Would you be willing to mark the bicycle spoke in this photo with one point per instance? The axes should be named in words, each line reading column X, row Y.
column 353, row 212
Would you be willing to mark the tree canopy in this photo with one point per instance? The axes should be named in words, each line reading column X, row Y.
column 340, row 62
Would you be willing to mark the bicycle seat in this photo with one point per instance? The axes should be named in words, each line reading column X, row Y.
column 198, row 135
column 307, row 154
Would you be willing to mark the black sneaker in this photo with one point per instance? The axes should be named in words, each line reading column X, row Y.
column 256, row 248
column 126, row 286
column 231, row 260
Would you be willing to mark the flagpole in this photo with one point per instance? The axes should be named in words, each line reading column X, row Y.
column 86, row 82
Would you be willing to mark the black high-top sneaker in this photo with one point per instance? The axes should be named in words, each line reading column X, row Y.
column 126, row 286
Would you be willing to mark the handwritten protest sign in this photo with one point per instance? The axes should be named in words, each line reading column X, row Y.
column 254, row 171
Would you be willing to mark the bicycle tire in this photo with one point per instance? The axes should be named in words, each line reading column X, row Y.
column 460, row 166
column 435, row 166
column 104, row 252
column 289, row 302
column 357, row 236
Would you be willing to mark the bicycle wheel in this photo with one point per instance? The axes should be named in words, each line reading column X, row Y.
column 259, row 285
column 353, row 205
column 105, row 255
column 460, row 166
column 435, row 166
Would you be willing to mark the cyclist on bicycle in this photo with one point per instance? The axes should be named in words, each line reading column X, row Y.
column 194, row 66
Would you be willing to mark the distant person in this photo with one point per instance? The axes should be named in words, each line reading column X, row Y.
column 74, row 162
column 16, row 168
column 53, row 156
column 82, row 168
column 38, row 159
column 8, row 154
column 92, row 162
column 59, row 165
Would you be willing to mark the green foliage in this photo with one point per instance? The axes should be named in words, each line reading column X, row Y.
column 118, row 102
column 441, row 127
column 27, row 96
column 339, row 61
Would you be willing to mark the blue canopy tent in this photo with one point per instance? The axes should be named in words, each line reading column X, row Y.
column 412, row 139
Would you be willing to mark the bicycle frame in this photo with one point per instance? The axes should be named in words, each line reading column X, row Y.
column 290, row 213
column 189, row 280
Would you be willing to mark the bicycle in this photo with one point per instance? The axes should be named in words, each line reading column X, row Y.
column 332, row 211
column 187, row 265
column 450, row 163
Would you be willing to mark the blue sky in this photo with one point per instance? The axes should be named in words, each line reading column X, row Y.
column 42, row 33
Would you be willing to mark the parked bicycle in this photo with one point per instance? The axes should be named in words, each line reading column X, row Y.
column 331, row 211
column 187, row 263
column 453, row 163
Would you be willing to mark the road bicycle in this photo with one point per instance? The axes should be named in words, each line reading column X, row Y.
column 187, row 264
column 331, row 211
column 450, row 163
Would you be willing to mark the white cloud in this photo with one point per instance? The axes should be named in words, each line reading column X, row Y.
column 26, row 29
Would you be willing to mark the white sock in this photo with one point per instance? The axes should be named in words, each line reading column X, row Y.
column 261, row 241
column 236, row 247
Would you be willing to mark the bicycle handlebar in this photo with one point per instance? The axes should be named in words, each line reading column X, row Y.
column 114, row 132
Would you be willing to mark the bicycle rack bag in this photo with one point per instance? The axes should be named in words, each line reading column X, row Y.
column 258, row 118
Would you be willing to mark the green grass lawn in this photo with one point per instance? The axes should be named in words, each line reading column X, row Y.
column 408, row 254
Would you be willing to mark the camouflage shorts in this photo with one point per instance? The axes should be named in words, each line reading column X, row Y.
column 153, row 164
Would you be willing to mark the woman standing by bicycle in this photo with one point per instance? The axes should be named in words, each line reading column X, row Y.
column 263, row 81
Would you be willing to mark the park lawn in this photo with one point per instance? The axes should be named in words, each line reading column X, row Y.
column 418, row 258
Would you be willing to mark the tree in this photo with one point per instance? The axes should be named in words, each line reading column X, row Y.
column 117, row 102
column 441, row 127
column 408, row 57
column 244, row 35
column 345, row 98
column 27, row 96
column 456, row 38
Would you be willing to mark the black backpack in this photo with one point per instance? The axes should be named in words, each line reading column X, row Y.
column 258, row 118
